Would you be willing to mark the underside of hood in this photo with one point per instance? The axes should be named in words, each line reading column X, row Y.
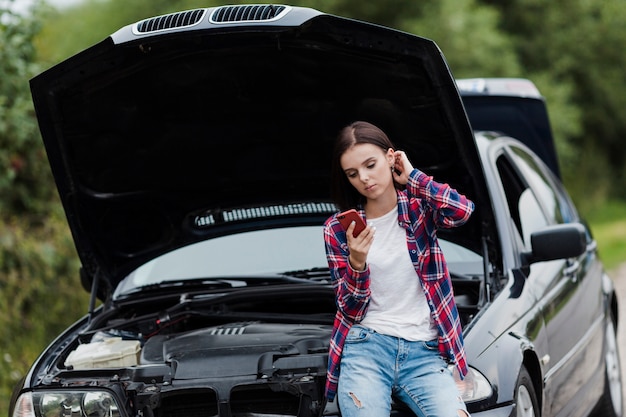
column 160, row 130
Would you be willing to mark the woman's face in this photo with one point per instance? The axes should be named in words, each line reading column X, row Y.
column 368, row 169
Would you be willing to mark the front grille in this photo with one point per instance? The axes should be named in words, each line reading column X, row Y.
column 245, row 401
column 189, row 404
column 251, row 401
column 171, row 21
column 247, row 13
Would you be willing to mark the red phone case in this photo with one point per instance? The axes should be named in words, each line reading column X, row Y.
column 349, row 216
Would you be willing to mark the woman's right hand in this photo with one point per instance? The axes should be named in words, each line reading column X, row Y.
column 359, row 246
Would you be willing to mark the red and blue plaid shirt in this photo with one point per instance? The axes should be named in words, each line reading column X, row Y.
column 423, row 207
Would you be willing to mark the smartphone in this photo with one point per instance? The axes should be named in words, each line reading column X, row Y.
column 349, row 216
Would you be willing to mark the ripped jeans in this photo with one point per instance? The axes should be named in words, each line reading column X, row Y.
column 375, row 367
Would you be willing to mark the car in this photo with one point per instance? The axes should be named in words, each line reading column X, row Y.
column 191, row 152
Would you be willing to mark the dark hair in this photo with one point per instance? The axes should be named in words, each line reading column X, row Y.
column 343, row 193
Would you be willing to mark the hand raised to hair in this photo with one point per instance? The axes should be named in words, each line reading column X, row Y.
column 402, row 167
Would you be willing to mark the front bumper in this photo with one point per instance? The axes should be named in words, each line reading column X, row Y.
column 506, row 411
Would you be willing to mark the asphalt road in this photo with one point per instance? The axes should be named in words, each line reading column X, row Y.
column 619, row 278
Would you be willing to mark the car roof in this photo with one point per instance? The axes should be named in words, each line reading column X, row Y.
column 514, row 107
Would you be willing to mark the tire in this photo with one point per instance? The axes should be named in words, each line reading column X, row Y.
column 611, row 403
column 526, row 404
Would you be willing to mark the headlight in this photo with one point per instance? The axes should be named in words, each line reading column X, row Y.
column 66, row 404
column 474, row 387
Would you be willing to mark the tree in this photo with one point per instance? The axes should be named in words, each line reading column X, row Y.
column 25, row 180
column 95, row 20
column 38, row 263
column 579, row 44
column 467, row 32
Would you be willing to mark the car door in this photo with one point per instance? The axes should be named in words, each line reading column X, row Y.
column 568, row 290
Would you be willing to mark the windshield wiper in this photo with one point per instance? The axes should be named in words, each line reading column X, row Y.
column 184, row 285
column 312, row 274
column 308, row 276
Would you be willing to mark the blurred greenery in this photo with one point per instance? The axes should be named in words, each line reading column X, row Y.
column 38, row 261
column 608, row 224
column 573, row 51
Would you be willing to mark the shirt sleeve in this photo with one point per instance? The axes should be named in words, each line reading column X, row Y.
column 450, row 208
column 352, row 292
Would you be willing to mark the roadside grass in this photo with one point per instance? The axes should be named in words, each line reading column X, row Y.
column 608, row 225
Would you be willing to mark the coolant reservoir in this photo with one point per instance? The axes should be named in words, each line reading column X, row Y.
column 110, row 353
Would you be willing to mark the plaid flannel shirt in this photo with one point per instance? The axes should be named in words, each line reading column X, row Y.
column 423, row 207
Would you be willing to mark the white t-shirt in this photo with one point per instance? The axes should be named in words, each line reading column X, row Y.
column 398, row 306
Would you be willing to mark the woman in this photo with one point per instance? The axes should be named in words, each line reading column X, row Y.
column 396, row 325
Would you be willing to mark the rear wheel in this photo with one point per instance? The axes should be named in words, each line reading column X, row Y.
column 526, row 404
column 611, row 403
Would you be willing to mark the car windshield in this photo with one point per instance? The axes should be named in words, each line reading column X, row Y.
column 260, row 253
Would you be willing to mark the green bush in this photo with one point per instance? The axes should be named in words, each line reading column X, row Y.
column 608, row 225
column 40, row 293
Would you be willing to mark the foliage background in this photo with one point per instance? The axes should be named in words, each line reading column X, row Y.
column 572, row 50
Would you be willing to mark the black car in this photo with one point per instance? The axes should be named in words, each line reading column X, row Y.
column 192, row 154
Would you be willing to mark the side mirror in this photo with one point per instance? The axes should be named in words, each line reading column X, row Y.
column 562, row 241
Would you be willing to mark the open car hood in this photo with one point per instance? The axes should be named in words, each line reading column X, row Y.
column 164, row 133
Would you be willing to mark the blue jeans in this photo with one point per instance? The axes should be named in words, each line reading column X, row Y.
column 375, row 367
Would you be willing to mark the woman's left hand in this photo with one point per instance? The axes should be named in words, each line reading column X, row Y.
column 402, row 167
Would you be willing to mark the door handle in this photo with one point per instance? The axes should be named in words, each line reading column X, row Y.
column 572, row 269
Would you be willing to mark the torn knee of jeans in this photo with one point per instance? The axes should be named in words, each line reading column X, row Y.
column 461, row 412
column 357, row 403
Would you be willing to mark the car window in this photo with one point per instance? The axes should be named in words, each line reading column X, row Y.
column 541, row 185
column 524, row 208
column 531, row 215
column 257, row 252
column 254, row 253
